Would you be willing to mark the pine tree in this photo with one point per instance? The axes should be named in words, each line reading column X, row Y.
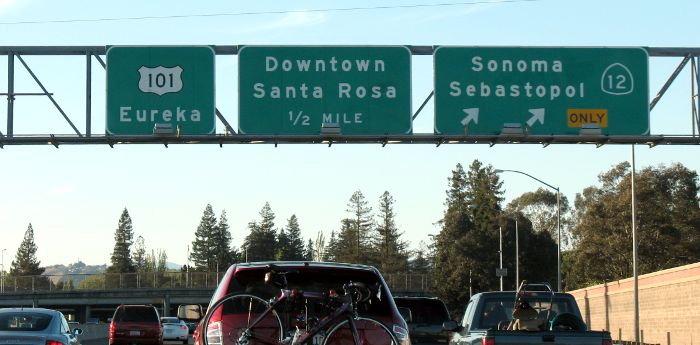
column 294, row 243
column 421, row 260
column 282, row 246
column 140, row 254
column 25, row 262
column 389, row 248
column 345, row 246
column 330, row 252
column 223, row 251
column 449, row 259
column 480, row 246
column 123, row 239
column 202, row 255
column 162, row 261
column 360, row 226
column 309, row 251
column 260, row 243
column 468, row 241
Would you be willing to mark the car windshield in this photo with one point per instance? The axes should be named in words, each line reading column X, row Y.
column 497, row 310
column 137, row 314
column 170, row 320
column 314, row 280
column 424, row 311
column 23, row 321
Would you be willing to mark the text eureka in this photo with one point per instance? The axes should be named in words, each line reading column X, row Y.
column 344, row 90
column 127, row 114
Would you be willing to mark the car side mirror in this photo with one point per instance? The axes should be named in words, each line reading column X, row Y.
column 452, row 326
column 406, row 314
column 190, row 312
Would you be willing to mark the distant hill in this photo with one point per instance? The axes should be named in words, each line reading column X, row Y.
column 77, row 271
column 171, row 266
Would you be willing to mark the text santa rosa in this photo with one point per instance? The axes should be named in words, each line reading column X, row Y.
column 342, row 89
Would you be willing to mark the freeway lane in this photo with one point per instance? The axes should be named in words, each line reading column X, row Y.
column 105, row 341
column 98, row 335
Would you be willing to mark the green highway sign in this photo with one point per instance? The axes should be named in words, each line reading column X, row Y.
column 541, row 91
column 160, row 90
column 297, row 90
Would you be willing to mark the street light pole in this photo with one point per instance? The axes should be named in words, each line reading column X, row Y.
column 2, row 271
column 558, row 219
column 500, row 254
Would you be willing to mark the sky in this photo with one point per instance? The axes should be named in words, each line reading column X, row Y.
column 73, row 196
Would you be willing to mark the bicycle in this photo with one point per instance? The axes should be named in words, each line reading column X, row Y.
column 246, row 319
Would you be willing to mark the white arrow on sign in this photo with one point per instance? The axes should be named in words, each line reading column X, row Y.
column 472, row 115
column 537, row 115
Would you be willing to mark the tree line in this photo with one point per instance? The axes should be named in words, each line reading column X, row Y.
column 464, row 255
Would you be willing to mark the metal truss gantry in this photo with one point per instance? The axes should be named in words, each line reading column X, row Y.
column 90, row 53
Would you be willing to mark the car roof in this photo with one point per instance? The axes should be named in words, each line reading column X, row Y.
column 29, row 310
column 300, row 264
column 511, row 294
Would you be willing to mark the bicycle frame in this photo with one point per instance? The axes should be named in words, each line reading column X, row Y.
column 345, row 311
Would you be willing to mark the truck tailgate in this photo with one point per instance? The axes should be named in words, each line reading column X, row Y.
column 549, row 337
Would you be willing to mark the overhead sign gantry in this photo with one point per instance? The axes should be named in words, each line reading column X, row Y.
column 541, row 91
column 355, row 94
column 307, row 90
column 160, row 90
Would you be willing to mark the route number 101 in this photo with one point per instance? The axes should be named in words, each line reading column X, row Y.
column 160, row 79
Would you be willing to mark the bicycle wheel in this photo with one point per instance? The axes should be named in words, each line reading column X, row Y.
column 369, row 331
column 230, row 322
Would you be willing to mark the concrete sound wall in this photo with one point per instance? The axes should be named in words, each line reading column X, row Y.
column 669, row 306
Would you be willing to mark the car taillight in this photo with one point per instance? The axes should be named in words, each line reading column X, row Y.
column 183, row 327
column 214, row 334
column 111, row 329
column 488, row 341
column 53, row 342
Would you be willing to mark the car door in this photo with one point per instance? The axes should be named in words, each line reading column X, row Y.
column 461, row 337
column 65, row 329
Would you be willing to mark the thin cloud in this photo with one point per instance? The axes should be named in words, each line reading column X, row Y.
column 58, row 191
column 289, row 21
column 467, row 10
column 6, row 5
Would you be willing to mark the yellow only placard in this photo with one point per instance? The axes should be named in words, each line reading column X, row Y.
column 579, row 117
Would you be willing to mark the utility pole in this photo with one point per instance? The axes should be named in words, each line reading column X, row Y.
column 517, row 256
column 500, row 254
column 187, row 268
column 2, row 272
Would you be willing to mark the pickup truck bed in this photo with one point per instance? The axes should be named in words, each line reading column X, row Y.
column 488, row 313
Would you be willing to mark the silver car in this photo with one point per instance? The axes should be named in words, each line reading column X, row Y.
column 175, row 329
column 36, row 326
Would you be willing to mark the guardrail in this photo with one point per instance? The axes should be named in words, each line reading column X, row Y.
column 162, row 280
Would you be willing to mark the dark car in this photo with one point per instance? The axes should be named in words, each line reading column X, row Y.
column 135, row 324
column 249, row 279
column 425, row 316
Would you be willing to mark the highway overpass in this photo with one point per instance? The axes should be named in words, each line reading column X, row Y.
column 79, row 305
